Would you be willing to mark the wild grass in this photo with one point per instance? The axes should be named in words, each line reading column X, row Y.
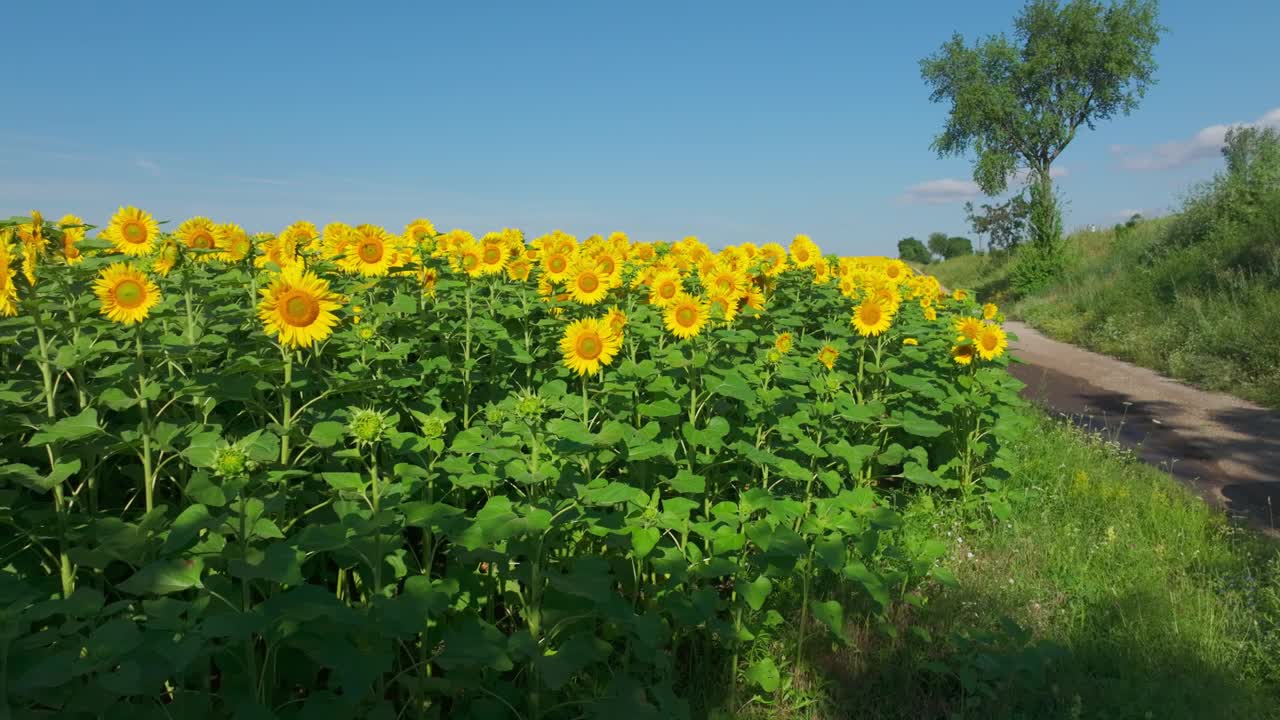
column 1110, row 592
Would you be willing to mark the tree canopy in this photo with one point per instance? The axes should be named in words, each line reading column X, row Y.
column 912, row 250
column 1017, row 103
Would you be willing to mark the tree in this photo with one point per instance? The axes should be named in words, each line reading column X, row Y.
column 939, row 242
column 1004, row 224
column 957, row 246
column 1018, row 103
column 912, row 250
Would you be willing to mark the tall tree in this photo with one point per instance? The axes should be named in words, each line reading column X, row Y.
column 939, row 243
column 1004, row 224
column 957, row 246
column 1017, row 103
column 912, row 250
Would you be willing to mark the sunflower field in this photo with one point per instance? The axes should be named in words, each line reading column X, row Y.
column 343, row 472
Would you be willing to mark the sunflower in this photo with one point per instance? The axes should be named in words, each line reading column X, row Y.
column 519, row 269
column 556, row 266
column 469, row 258
column 726, row 281
column 126, row 294
column 959, row 295
column 967, row 328
column 587, row 286
column 930, row 313
column 989, row 311
column 428, row 276
column 724, row 306
column 278, row 251
column 962, row 354
column 297, row 308
column 72, row 233
column 234, row 243
column 419, row 231
column 783, row 342
column 665, row 289
column 334, row 241
column 991, row 342
column 871, row 317
column 616, row 319
column 166, row 259
column 686, row 315
column 910, row 341
column 132, row 231
column 754, row 298
column 773, row 258
column 827, row 356
column 896, row 270
column 369, row 251
column 8, row 291
column 200, row 233
column 302, row 234
column 804, row 252
column 493, row 254
column 588, row 345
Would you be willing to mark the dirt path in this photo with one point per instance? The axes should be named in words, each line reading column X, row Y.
column 1226, row 449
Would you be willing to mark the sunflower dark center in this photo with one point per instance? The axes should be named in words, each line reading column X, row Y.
column 589, row 346
column 299, row 309
column 588, row 282
column 370, row 251
column 134, row 232
column 130, row 294
column 686, row 316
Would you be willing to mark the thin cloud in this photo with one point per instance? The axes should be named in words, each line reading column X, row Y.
column 942, row 191
column 147, row 165
column 1206, row 143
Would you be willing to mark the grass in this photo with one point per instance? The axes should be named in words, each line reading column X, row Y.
column 1110, row 592
column 1207, row 313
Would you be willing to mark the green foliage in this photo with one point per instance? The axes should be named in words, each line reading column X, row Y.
column 1109, row 591
column 913, row 251
column 1017, row 103
column 1004, row 224
column 1196, row 296
column 429, row 515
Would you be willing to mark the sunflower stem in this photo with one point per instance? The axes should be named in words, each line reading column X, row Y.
column 148, row 484
column 65, row 571
column 466, row 361
column 586, row 407
column 286, row 414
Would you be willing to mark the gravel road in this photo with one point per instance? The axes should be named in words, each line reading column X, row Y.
column 1226, row 449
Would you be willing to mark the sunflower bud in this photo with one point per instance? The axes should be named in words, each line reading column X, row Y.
column 529, row 407
column 367, row 426
column 231, row 462
column 432, row 427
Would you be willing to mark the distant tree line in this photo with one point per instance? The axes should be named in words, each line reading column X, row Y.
column 940, row 246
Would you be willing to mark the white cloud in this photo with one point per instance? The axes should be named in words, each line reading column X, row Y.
column 944, row 191
column 1204, row 144
column 148, row 165
column 940, row 192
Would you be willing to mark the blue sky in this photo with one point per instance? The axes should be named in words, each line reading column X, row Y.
column 730, row 121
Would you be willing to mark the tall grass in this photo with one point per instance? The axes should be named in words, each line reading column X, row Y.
column 1110, row 591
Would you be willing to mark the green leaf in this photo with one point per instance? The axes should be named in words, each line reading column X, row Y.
column 688, row 483
column 326, row 433
column 165, row 576
column 914, row 424
column 764, row 673
column 733, row 385
column 643, row 541
column 69, row 428
column 831, row 614
column 756, row 591
column 344, row 481
column 659, row 409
